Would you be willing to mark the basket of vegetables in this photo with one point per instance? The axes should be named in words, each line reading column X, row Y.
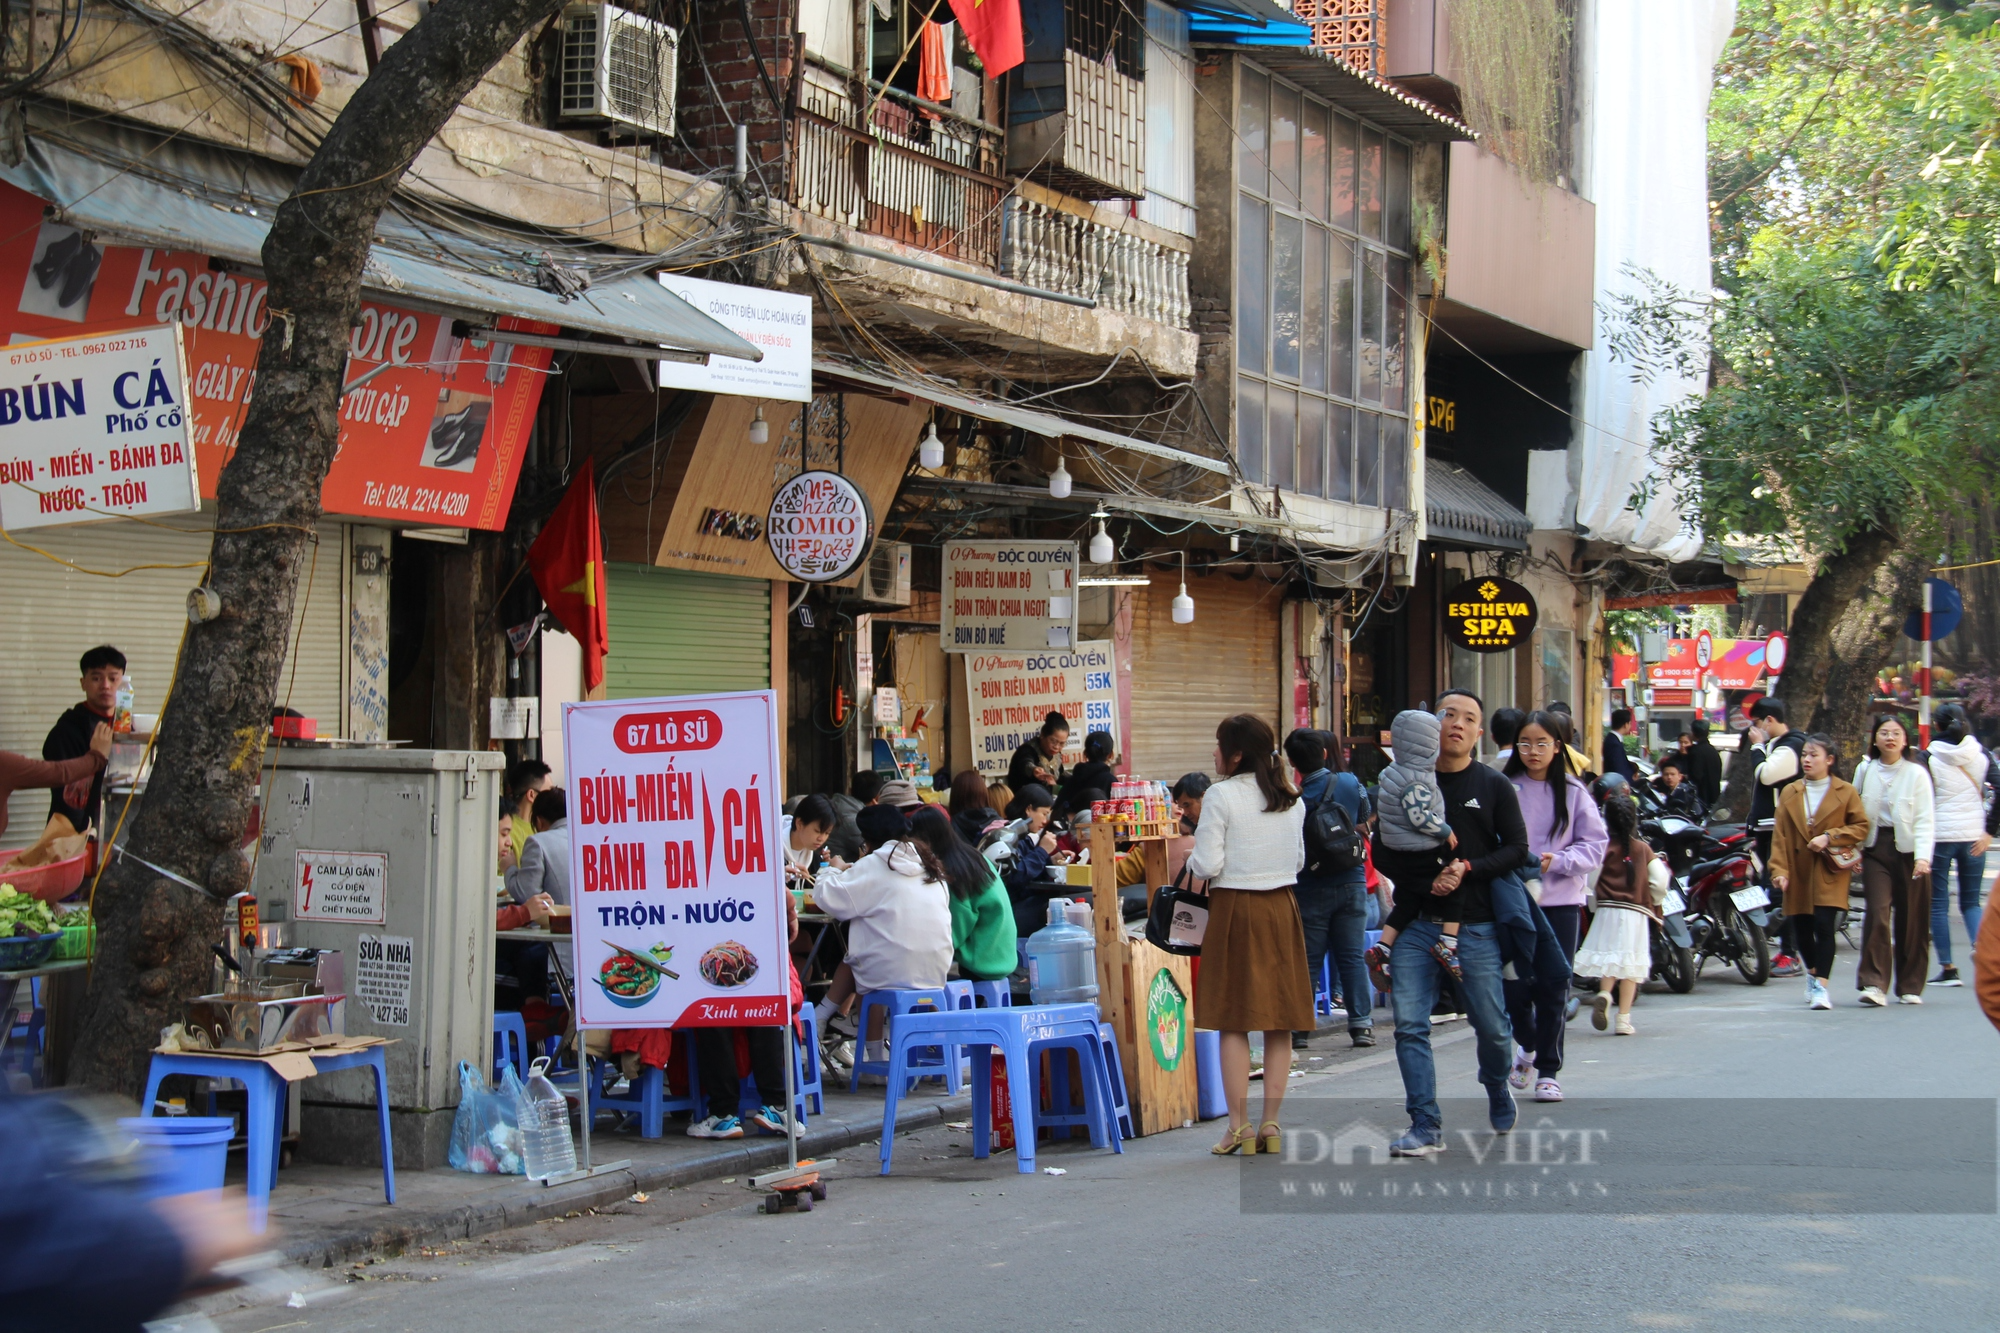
column 79, row 934
column 27, row 930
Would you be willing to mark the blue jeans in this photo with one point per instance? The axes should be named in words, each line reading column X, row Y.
column 1335, row 916
column 1971, row 879
column 1414, row 973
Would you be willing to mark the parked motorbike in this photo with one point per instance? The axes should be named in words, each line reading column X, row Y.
column 1726, row 911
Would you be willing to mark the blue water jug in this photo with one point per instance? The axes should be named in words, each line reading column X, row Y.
column 1062, row 960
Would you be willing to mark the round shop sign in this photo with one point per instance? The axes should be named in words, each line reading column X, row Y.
column 1489, row 615
column 819, row 527
column 1166, row 1020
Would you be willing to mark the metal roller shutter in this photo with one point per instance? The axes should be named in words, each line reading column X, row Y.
column 1187, row 678
column 54, row 613
column 678, row 632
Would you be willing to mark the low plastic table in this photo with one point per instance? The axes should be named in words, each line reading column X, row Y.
column 266, row 1088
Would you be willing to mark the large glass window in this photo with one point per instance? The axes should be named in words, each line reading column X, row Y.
column 1322, row 300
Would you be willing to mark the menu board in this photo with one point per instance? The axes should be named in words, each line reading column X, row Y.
column 95, row 427
column 1016, row 595
column 676, row 872
column 1011, row 693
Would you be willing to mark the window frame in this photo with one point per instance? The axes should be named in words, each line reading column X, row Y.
column 1260, row 380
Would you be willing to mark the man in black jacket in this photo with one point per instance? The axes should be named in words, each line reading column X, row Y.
column 1704, row 764
column 1615, row 759
column 1776, row 746
column 1485, row 816
column 103, row 673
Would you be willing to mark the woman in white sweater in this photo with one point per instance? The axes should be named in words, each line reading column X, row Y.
column 1896, row 867
column 1250, row 846
column 898, row 915
column 1958, row 774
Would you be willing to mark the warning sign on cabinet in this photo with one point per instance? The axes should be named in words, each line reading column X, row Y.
column 342, row 886
column 382, row 968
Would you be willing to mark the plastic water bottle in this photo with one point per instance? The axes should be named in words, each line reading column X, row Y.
column 1062, row 960
column 546, row 1146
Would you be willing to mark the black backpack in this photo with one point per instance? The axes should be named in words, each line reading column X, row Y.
column 1333, row 844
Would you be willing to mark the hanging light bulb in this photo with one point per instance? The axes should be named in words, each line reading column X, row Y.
column 760, row 429
column 1102, row 549
column 930, row 450
column 1183, row 604
column 1059, row 480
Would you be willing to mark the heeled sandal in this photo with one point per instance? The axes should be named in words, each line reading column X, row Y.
column 1243, row 1140
column 1273, row 1142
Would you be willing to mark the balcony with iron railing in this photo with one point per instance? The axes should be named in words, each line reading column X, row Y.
column 921, row 174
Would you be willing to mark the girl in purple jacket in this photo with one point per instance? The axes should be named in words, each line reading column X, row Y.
column 1566, row 835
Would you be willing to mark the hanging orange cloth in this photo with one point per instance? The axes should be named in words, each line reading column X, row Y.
column 933, row 64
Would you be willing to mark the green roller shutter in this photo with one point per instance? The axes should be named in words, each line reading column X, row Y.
column 678, row 632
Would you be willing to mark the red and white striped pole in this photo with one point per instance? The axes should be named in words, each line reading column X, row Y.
column 1924, row 676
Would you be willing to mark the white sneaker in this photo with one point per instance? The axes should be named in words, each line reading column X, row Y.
column 1600, row 1010
column 1819, row 999
column 1909, row 999
column 1624, row 1028
column 716, row 1127
column 1873, row 997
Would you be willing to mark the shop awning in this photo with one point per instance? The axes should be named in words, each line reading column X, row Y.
column 1367, row 95
column 1459, row 507
column 1250, row 15
column 1045, row 424
column 180, row 195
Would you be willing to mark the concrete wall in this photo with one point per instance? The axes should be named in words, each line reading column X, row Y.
column 1520, row 252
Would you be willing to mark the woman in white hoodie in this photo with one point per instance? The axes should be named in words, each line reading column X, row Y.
column 897, row 910
column 1958, row 772
column 1896, row 867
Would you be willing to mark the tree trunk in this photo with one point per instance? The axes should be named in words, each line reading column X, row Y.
column 1862, row 644
column 1839, row 581
column 160, row 905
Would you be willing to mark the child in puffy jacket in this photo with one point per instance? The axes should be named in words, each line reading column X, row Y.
column 1411, row 810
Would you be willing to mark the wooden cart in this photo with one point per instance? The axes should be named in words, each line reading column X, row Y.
column 1144, row 993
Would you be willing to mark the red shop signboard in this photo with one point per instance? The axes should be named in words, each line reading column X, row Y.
column 436, row 439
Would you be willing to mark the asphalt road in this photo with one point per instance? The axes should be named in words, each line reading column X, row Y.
column 1780, row 1237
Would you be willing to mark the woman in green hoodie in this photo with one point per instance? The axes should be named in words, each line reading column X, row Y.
column 982, row 917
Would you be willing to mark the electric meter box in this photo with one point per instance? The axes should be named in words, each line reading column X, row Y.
column 391, row 857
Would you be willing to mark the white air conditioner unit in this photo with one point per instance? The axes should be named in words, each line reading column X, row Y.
column 618, row 67
column 886, row 579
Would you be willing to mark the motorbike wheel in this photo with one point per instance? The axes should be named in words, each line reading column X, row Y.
column 1676, row 966
column 1753, row 958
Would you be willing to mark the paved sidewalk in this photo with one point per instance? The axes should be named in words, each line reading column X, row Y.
column 326, row 1215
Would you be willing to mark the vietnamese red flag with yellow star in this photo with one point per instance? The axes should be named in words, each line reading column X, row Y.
column 993, row 29
column 567, row 564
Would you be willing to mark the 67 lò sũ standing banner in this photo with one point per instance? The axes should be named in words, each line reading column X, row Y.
column 676, row 873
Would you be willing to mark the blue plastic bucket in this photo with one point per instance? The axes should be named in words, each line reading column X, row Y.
column 185, row 1153
column 1209, row 1099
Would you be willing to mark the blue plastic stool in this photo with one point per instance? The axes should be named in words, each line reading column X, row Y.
column 645, row 1096
column 510, row 1043
column 1021, row 1035
column 959, row 993
column 1064, row 1115
column 1115, row 1071
column 893, row 1004
column 991, row 995
column 266, row 1091
column 1323, row 987
column 1209, row 1098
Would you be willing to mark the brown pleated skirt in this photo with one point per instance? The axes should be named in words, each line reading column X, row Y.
column 1253, row 964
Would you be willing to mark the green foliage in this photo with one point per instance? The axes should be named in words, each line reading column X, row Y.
column 1852, row 339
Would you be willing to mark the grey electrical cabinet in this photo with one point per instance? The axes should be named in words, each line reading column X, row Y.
column 389, row 856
